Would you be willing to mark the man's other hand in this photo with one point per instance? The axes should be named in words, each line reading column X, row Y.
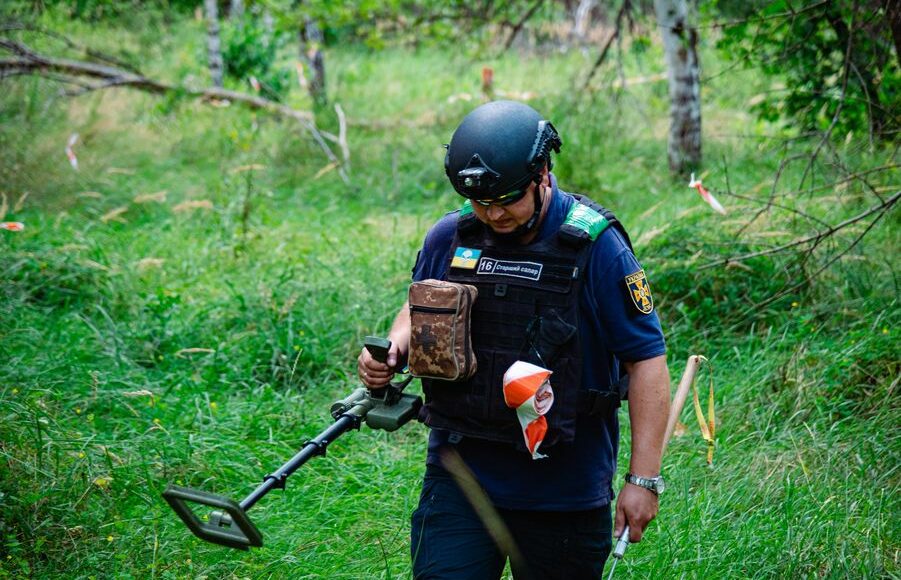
column 635, row 507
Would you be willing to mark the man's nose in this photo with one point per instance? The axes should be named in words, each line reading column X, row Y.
column 495, row 212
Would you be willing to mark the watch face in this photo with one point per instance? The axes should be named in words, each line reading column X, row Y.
column 661, row 485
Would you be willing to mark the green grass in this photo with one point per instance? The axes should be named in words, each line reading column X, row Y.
column 101, row 404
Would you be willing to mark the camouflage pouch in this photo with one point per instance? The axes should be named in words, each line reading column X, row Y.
column 440, row 345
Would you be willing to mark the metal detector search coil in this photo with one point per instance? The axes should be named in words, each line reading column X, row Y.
column 229, row 525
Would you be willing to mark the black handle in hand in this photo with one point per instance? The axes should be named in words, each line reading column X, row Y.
column 378, row 347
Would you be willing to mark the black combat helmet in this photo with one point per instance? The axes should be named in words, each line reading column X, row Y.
column 499, row 148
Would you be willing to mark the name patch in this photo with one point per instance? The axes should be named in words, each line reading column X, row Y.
column 527, row 270
column 465, row 258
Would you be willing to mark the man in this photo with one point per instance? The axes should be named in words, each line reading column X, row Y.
column 558, row 286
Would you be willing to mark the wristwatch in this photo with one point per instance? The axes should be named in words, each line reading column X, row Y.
column 655, row 485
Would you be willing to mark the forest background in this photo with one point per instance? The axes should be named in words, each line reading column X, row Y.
column 187, row 270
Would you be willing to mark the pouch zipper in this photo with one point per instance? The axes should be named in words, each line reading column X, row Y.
column 432, row 309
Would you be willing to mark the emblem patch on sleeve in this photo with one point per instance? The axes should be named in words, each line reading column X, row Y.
column 466, row 258
column 640, row 292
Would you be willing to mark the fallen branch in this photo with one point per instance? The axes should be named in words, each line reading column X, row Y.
column 342, row 134
column 90, row 52
column 814, row 239
column 27, row 61
column 809, row 278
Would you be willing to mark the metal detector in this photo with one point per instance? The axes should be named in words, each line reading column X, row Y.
column 228, row 524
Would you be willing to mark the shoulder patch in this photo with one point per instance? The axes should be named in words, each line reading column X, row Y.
column 640, row 292
column 587, row 220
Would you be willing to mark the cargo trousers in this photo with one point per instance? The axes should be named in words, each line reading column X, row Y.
column 450, row 542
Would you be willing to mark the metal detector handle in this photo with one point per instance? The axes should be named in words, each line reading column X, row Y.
column 392, row 408
column 378, row 347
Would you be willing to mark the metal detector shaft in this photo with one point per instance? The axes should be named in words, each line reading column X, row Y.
column 228, row 524
column 312, row 448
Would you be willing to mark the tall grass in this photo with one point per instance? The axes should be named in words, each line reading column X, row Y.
column 203, row 346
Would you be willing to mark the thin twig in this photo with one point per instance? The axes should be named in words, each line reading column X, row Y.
column 522, row 21
column 841, row 102
column 808, row 279
column 771, row 200
column 603, row 56
column 789, row 14
column 96, row 54
column 810, row 239
column 342, row 135
column 776, row 205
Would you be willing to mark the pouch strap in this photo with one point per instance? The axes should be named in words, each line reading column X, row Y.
column 598, row 402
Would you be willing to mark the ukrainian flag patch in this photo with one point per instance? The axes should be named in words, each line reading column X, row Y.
column 466, row 258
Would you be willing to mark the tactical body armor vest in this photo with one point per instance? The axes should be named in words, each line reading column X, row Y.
column 527, row 309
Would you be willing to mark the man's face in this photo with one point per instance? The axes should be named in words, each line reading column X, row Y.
column 504, row 219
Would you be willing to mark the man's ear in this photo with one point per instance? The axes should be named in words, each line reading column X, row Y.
column 545, row 176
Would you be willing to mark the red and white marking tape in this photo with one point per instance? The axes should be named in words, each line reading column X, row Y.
column 706, row 195
column 527, row 389
column 70, row 153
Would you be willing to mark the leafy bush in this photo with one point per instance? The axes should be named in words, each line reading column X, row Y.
column 714, row 296
column 249, row 50
column 836, row 61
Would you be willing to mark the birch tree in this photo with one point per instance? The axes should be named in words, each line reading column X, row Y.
column 311, row 53
column 582, row 18
column 680, row 44
column 213, row 45
column 236, row 9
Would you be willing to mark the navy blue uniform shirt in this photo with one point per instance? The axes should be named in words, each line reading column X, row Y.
column 577, row 476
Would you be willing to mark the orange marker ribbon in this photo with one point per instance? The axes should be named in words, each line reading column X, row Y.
column 527, row 389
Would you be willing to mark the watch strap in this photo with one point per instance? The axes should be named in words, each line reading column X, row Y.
column 649, row 483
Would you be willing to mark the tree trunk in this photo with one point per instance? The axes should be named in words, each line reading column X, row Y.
column 213, row 46
column 680, row 45
column 311, row 54
column 893, row 17
column 236, row 9
column 582, row 19
column 268, row 26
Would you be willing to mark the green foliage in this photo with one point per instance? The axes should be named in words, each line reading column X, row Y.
column 836, row 61
column 100, row 10
column 249, row 50
column 203, row 346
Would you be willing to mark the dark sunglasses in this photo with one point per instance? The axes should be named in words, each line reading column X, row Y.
column 506, row 199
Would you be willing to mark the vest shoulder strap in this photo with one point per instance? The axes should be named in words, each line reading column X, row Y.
column 467, row 221
column 587, row 219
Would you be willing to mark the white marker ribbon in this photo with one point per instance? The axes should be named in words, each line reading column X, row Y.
column 528, row 390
